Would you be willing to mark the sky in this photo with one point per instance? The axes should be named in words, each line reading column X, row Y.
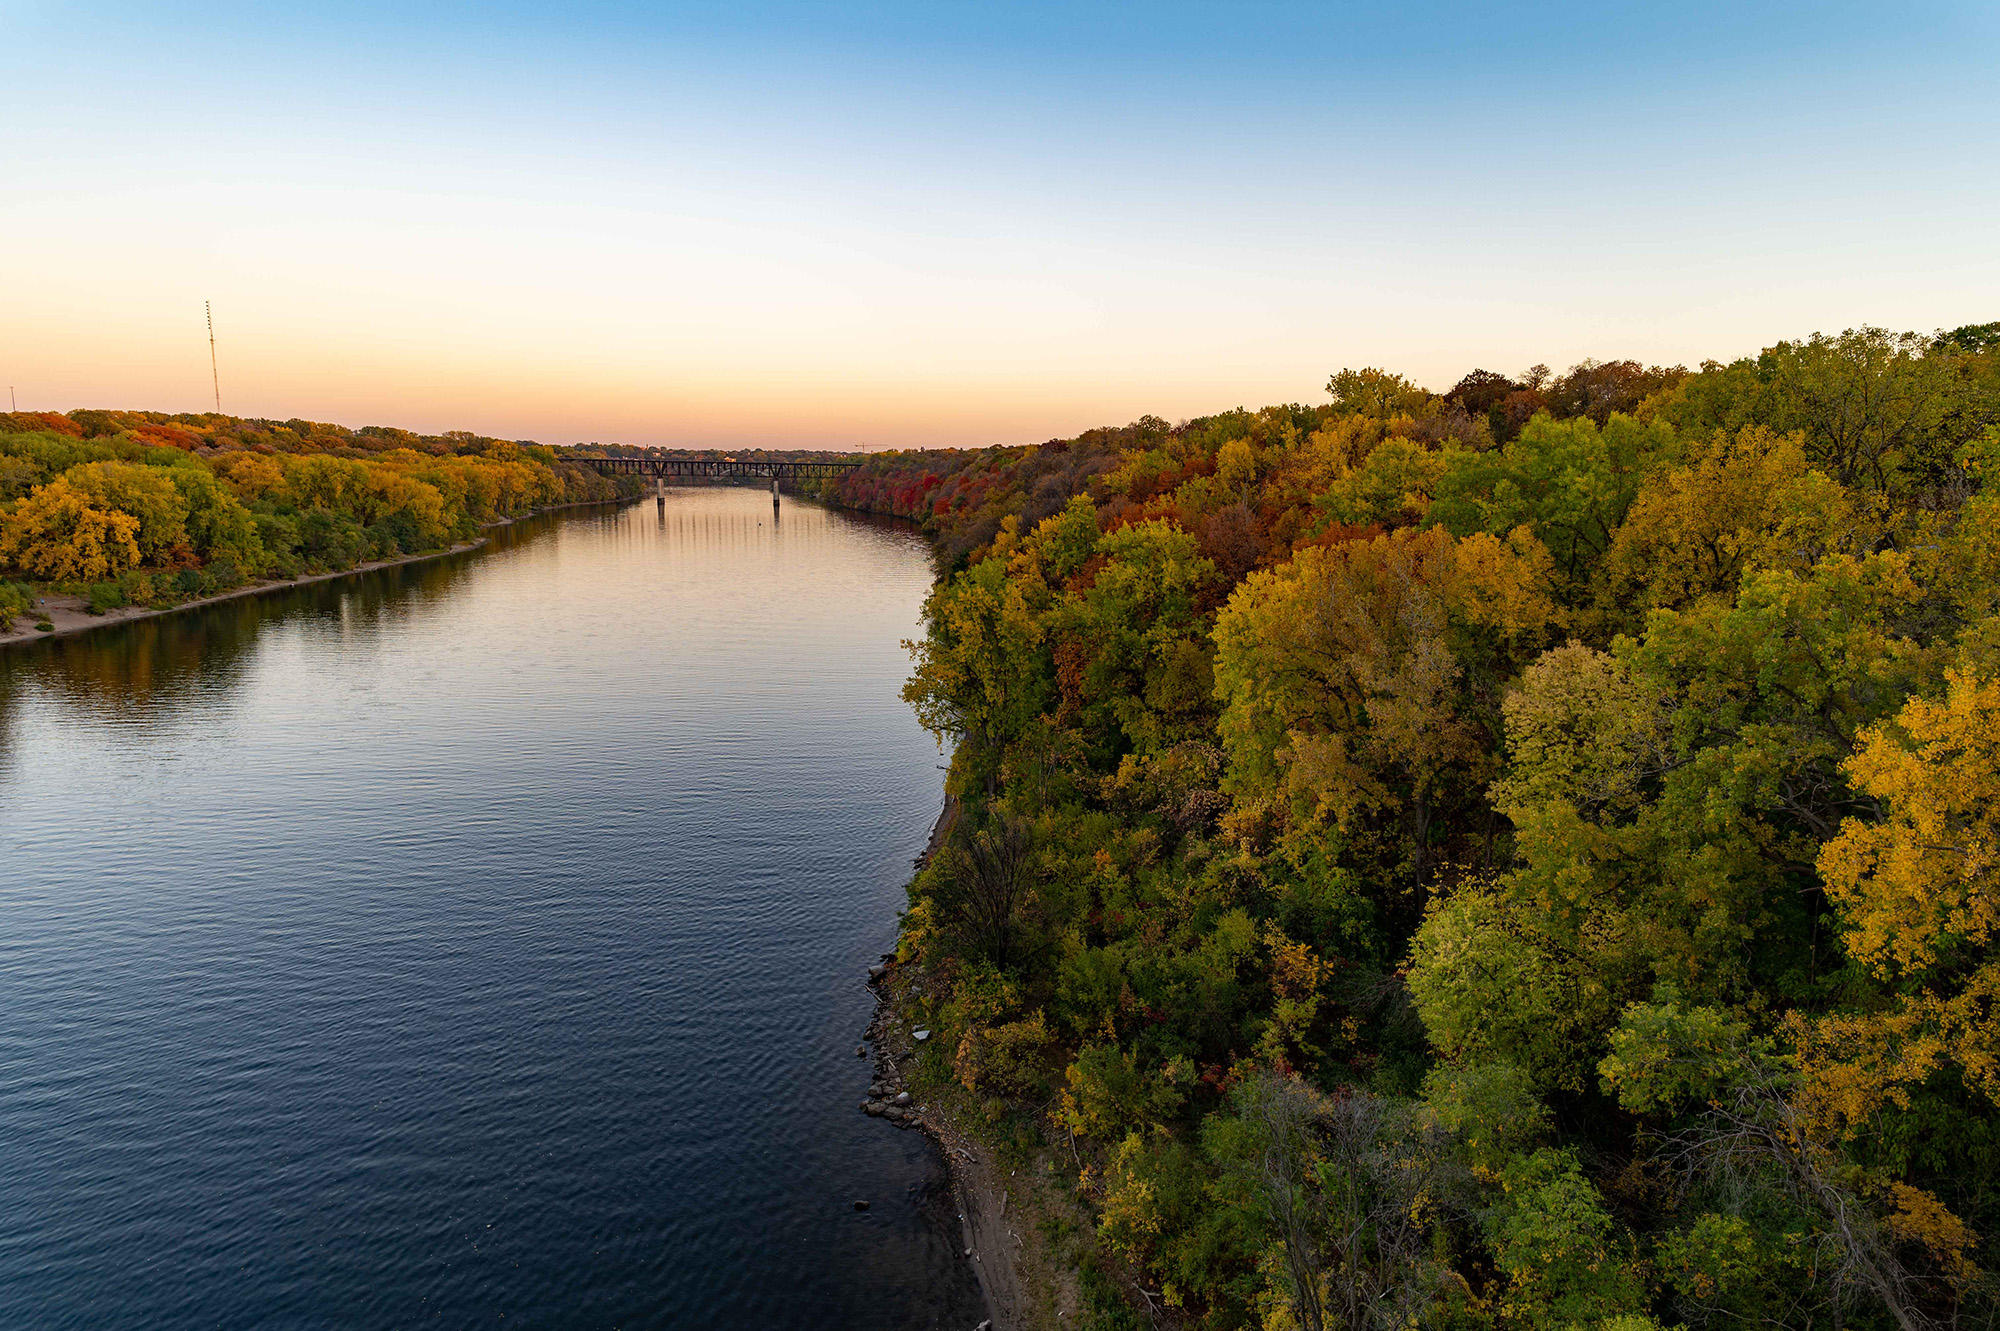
column 903, row 225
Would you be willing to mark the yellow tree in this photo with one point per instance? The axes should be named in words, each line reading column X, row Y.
column 387, row 492
column 252, row 475
column 147, row 494
column 1333, row 450
column 324, row 481
column 1348, row 675
column 1378, row 393
column 1920, row 887
column 1745, row 499
column 58, row 532
column 1236, row 464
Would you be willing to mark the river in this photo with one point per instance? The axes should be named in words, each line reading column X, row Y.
column 477, row 941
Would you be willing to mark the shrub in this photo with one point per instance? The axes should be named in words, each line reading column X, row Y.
column 221, row 574
column 137, row 587
column 1108, row 1094
column 43, row 626
column 1011, row 1058
column 104, row 596
column 329, row 541
column 15, row 599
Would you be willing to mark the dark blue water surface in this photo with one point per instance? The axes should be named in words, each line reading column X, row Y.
column 477, row 942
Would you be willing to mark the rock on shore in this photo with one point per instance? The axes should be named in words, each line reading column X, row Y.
column 888, row 1096
column 975, row 1184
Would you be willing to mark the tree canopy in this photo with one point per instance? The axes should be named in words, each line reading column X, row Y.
column 1516, row 858
column 147, row 508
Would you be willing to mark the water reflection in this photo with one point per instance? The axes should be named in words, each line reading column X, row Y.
column 479, row 936
column 121, row 671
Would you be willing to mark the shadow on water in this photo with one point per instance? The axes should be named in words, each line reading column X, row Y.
column 127, row 674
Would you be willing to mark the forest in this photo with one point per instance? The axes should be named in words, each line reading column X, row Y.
column 1519, row 857
column 1514, row 857
column 151, row 509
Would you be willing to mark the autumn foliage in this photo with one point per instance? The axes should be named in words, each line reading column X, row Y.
column 1517, row 857
column 147, row 508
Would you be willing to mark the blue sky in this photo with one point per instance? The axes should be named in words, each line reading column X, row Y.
column 896, row 224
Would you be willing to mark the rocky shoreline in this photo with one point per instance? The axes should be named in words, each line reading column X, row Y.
column 981, row 1195
column 989, row 1244
column 888, row 1095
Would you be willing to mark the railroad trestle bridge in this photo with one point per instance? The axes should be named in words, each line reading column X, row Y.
column 660, row 469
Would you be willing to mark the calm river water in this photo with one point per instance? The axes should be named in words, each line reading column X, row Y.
column 478, row 942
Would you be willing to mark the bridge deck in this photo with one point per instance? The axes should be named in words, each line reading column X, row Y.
column 664, row 467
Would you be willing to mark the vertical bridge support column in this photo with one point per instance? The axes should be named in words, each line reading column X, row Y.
column 713, row 470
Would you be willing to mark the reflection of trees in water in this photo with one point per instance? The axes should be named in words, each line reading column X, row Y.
column 147, row 668
column 367, row 603
column 523, row 530
column 142, row 669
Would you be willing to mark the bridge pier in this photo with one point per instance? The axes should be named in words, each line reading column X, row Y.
column 712, row 469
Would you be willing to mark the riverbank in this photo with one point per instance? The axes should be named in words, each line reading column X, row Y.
column 981, row 1198
column 71, row 615
column 1021, row 1225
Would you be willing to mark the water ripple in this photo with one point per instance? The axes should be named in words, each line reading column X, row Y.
column 473, row 939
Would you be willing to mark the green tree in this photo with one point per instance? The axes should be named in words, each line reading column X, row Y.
column 1565, row 1260
column 1875, row 408
column 1478, row 942
column 1377, row 393
column 980, row 672
column 1393, row 485
column 1569, row 482
column 218, row 525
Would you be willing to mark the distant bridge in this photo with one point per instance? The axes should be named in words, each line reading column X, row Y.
column 662, row 468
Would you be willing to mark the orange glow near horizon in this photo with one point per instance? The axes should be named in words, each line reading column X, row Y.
column 889, row 379
column 535, row 232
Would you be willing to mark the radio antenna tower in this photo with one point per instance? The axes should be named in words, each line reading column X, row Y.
column 213, row 374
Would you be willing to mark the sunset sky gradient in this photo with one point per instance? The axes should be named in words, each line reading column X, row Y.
column 893, row 225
